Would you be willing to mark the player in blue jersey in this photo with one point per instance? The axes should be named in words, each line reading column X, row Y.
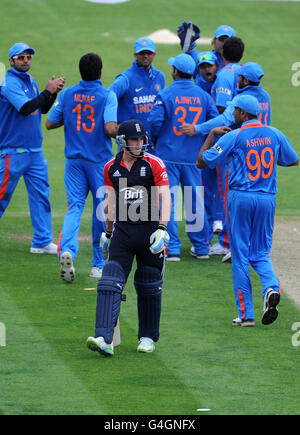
column 21, row 107
column 249, row 77
column 222, row 33
column 252, row 153
column 182, row 102
column 207, row 69
column 225, row 86
column 137, row 87
column 88, row 112
column 222, row 91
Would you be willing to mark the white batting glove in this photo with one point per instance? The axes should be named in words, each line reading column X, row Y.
column 104, row 243
column 159, row 240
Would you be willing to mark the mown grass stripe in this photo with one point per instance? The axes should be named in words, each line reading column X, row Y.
column 35, row 379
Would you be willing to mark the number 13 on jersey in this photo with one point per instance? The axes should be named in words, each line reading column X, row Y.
column 88, row 127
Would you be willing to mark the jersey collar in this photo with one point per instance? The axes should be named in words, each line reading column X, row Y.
column 21, row 74
column 92, row 83
column 251, row 121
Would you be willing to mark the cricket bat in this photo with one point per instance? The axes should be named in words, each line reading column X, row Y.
column 117, row 334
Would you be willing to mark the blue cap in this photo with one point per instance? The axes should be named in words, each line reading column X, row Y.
column 18, row 48
column 183, row 62
column 251, row 70
column 142, row 44
column 246, row 102
column 224, row 30
column 206, row 57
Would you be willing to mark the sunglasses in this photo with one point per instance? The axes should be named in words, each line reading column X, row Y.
column 205, row 57
column 22, row 57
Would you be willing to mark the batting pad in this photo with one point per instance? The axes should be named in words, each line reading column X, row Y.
column 110, row 287
column 148, row 284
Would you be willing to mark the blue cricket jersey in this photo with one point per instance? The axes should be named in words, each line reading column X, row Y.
column 219, row 58
column 85, row 109
column 136, row 89
column 199, row 79
column 17, row 131
column 252, row 153
column 226, row 85
column 181, row 102
column 204, row 84
column 227, row 118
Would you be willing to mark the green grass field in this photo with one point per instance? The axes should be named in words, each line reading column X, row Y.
column 201, row 360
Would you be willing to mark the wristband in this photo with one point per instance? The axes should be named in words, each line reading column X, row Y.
column 162, row 227
column 108, row 234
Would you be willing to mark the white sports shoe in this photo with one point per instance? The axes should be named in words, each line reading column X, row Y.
column 227, row 258
column 218, row 249
column 239, row 322
column 217, row 226
column 67, row 270
column 198, row 256
column 146, row 345
column 49, row 249
column 99, row 344
column 96, row 272
column 173, row 257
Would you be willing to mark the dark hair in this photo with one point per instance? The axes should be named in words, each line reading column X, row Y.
column 233, row 49
column 183, row 75
column 90, row 67
column 253, row 83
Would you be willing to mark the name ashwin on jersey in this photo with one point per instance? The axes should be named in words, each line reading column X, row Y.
column 258, row 142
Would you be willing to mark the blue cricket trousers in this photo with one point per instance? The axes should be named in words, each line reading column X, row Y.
column 251, row 222
column 33, row 167
column 81, row 177
column 189, row 177
column 214, row 190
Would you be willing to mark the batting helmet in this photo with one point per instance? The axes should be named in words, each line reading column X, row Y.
column 129, row 130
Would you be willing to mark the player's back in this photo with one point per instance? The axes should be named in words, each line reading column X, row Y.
column 263, row 99
column 253, row 165
column 83, row 112
column 184, row 102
